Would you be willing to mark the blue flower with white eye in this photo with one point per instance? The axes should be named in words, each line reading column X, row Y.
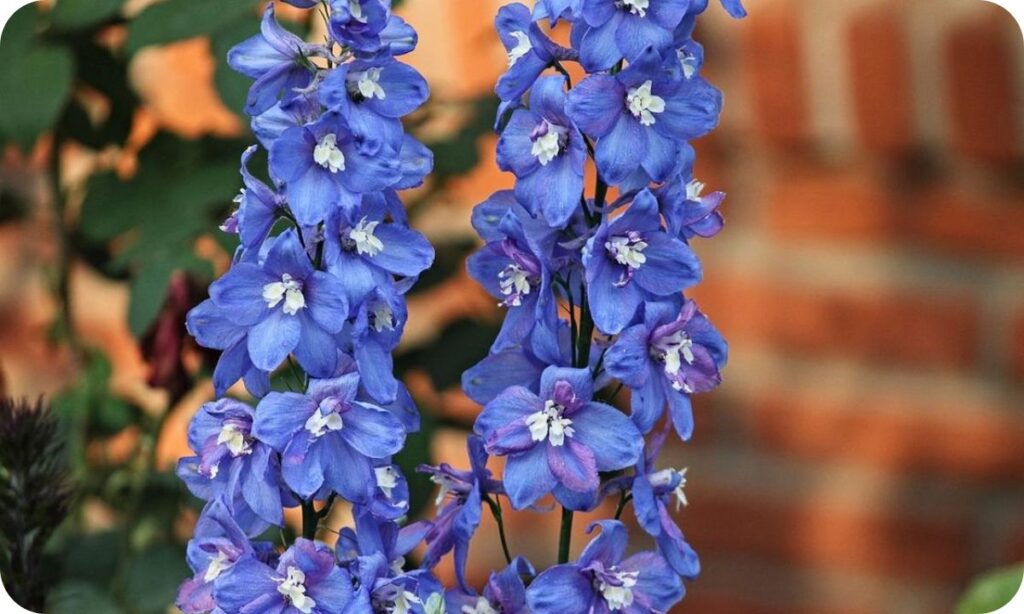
column 461, row 494
column 277, row 60
column 328, row 437
column 374, row 333
column 612, row 30
column 216, row 328
column 258, row 206
column 368, row 28
column 381, row 588
column 286, row 306
column 304, row 581
column 504, row 592
column 642, row 116
column 233, row 465
column 556, row 441
column 632, row 259
column 326, row 165
column 688, row 212
column 603, row 581
column 546, row 152
column 529, row 51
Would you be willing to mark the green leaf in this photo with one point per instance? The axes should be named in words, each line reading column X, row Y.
column 152, row 579
column 175, row 20
column 34, row 85
column 991, row 591
column 90, row 558
column 233, row 87
column 20, row 29
column 75, row 14
column 75, row 596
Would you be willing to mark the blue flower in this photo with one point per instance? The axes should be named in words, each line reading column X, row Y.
column 529, row 50
column 601, row 581
column 327, row 437
column 277, row 60
column 461, row 493
column 368, row 28
column 642, row 116
column 734, row 8
column 553, row 10
column 687, row 212
column 674, row 353
column 216, row 328
column 232, row 464
column 546, row 152
column 504, row 592
column 381, row 589
column 305, row 580
column 326, row 165
column 611, row 30
column 390, row 498
column 286, row 305
column 631, row 259
column 258, row 206
column 373, row 335
column 558, row 440
column 377, row 536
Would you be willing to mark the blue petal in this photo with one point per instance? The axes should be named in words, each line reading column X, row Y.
column 273, row 339
column 512, row 405
column 596, row 104
column 527, row 477
column 279, row 416
column 615, row 441
column 608, row 547
column 560, row 589
column 372, row 431
column 671, row 266
column 617, row 152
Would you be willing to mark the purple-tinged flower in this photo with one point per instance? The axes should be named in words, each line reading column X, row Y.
column 653, row 491
column 642, row 116
column 217, row 544
column 369, row 29
column 688, row 213
column 557, row 441
column 632, row 259
column 601, row 581
column 379, row 588
column 305, row 580
column 612, row 30
column 390, row 499
column 529, row 50
column 232, row 464
column 546, row 152
column 327, row 437
column 276, row 59
column 460, row 501
column 375, row 535
column 373, row 335
column 504, row 592
column 674, row 353
column 258, row 206
column 366, row 248
column 327, row 165
column 287, row 306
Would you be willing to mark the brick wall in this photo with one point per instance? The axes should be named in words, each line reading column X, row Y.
column 864, row 453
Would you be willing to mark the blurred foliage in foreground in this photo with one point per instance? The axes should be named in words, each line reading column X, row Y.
column 992, row 591
column 64, row 80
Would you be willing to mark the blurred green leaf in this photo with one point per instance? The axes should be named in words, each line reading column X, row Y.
column 99, row 68
column 76, row 597
column 34, row 85
column 175, row 20
column 73, row 14
column 991, row 591
column 233, row 87
column 20, row 29
column 152, row 579
column 415, row 453
column 90, row 558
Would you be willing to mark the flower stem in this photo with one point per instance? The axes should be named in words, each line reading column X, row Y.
column 626, row 498
column 310, row 520
column 565, row 537
column 495, row 505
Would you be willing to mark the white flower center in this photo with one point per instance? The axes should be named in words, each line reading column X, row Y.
column 288, row 290
column 688, row 62
column 665, row 477
column 324, row 420
column 369, row 84
column 482, row 606
column 327, row 154
column 627, row 250
column 514, row 283
column 382, row 318
column 234, row 439
column 294, row 590
column 549, row 424
column 218, row 565
column 403, row 602
column 637, row 7
column 387, row 479
column 547, row 146
column 620, row 595
column 356, row 10
column 643, row 104
column 693, row 189
column 445, row 483
column 434, row 604
column 365, row 242
column 523, row 46
column 676, row 349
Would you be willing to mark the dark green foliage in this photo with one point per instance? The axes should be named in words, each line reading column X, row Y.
column 175, row 20
column 991, row 591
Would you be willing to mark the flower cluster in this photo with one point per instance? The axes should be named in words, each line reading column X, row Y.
column 593, row 284
column 307, row 317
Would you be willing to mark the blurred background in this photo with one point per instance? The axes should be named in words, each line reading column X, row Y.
column 865, row 451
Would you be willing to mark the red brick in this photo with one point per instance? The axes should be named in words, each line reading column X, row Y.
column 819, row 533
column 824, row 204
column 880, row 72
column 773, row 62
column 969, row 224
column 888, row 326
column 981, row 88
column 707, row 602
column 894, row 434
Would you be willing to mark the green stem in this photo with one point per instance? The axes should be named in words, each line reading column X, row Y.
column 565, row 536
column 310, row 520
column 626, row 498
column 495, row 505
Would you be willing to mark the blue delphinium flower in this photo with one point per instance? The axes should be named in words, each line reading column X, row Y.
column 674, row 353
column 216, row 328
column 258, row 206
column 556, row 441
column 612, row 30
column 232, row 464
column 529, row 51
column 328, row 437
column 642, row 116
column 602, row 581
column 632, row 259
column 546, row 152
column 504, row 592
column 687, row 212
column 460, row 501
column 304, row 580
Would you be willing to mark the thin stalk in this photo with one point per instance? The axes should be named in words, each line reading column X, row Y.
column 565, row 536
column 626, row 498
column 495, row 505
column 310, row 520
